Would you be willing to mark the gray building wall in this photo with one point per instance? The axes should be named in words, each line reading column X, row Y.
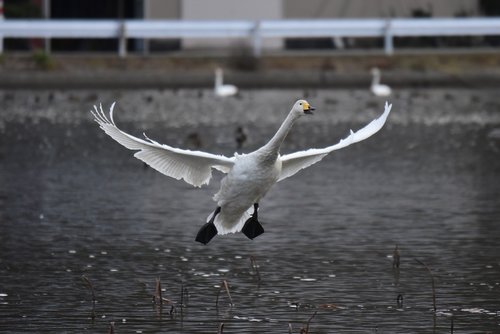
column 292, row 9
column 162, row 9
column 376, row 8
column 230, row 10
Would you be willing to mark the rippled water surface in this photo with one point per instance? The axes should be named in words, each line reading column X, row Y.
column 73, row 203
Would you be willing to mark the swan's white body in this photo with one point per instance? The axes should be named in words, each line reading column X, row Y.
column 249, row 176
column 220, row 89
column 376, row 87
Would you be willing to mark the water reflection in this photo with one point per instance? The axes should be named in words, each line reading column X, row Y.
column 330, row 234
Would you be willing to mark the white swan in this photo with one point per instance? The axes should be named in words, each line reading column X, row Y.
column 376, row 87
column 249, row 176
column 220, row 89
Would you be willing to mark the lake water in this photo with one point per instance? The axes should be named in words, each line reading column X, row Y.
column 74, row 203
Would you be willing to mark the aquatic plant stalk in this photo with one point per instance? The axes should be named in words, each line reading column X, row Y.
column 91, row 288
column 157, row 297
column 306, row 330
column 111, row 327
column 433, row 283
column 255, row 267
column 184, row 292
column 395, row 257
column 226, row 286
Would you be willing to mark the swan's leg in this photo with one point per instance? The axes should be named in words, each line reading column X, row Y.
column 252, row 227
column 208, row 231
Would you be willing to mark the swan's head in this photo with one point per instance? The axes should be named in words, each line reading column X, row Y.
column 302, row 107
column 375, row 71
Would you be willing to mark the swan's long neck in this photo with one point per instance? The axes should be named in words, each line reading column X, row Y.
column 375, row 79
column 273, row 146
column 218, row 78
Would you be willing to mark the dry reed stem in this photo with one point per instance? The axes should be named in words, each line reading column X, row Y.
column 91, row 288
column 228, row 293
column 309, row 321
column 158, row 299
column 111, row 327
column 184, row 296
column 255, row 267
column 226, row 286
column 433, row 283
column 395, row 257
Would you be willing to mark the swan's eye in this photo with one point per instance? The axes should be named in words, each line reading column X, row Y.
column 307, row 108
column 300, row 103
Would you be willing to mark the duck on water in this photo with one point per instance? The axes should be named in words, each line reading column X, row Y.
column 249, row 176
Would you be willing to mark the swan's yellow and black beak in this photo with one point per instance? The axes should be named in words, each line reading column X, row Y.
column 307, row 108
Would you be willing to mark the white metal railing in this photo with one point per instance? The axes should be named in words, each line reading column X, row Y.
column 253, row 30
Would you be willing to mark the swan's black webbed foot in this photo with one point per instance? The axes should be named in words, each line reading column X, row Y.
column 208, row 231
column 252, row 227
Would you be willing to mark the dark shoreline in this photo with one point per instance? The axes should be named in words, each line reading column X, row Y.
column 246, row 80
column 320, row 70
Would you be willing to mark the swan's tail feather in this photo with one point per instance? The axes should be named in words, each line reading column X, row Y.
column 226, row 223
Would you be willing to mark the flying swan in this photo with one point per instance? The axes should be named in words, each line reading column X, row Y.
column 249, row 176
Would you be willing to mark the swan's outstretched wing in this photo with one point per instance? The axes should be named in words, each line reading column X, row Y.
column 292, row 163
column 192, row 166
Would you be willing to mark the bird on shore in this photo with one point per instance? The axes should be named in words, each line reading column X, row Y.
column 376, row 87
column 249, row 176
column 240, row 137
column 220, row 88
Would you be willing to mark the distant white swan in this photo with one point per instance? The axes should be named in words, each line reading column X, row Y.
column 249, row 176
column 220, row 89
column 377, row 88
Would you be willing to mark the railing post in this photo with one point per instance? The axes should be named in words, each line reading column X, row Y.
column 257, row 40
column 388, row 38
column 46, row 16
column 1, row 19
column 122, row 40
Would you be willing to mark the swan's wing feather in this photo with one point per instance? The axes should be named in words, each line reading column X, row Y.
column 194, row 167
column 294, row 162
